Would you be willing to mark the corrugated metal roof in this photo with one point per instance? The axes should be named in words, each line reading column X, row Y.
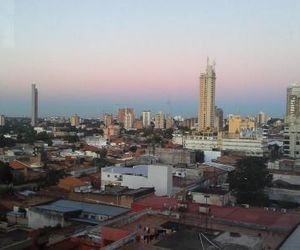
column 71, row 206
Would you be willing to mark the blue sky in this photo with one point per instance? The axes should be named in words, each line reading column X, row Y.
column 89, row 57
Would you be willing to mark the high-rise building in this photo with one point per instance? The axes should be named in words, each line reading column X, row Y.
column 237, row 124
column 34, row 107
column 107, row 119
column 159, row 120
column 293, row 102
column 206, row 116
column 219, row 119
column 291, row 142
column 75, row 120
column 2, row 120
column 126, row 111
column 146, row 118
column 262, row 118
column 169, row 122
column 128, row 119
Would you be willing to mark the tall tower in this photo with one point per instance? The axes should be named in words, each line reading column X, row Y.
column 206, row 115
column 291, row 141
column 146, row 118
column 34, row 103
column 293, row 102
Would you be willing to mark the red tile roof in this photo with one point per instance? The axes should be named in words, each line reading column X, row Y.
column 17, row 165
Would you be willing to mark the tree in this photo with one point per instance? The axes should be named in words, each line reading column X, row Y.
column 5, row 174
column 249, row 180
column 53, row 176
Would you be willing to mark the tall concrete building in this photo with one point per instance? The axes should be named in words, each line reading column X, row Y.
column 146, row 118
column 107, row 119
column 293, row 102
column 128, row 114
column 75, row 120
column 34, row 107
column 159, row 120
column 219, row 119
column 128, row 119
column 262, row 118
column 291, row 143
column 2, row 120
column 206, row 116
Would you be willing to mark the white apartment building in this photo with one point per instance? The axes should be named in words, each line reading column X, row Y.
column 97, row 141
column 201, row 142
column 157, row 176
column 256, row 146
column 247, row 146
column 146, row 118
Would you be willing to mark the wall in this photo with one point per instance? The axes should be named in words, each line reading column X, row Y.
column 159, row 177
column 214, row 199
column 40, row 219
column 211, row 155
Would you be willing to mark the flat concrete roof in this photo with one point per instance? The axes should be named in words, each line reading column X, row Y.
column 64, row 206
column 141, row 170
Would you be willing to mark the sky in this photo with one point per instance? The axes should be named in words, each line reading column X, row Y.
column 94, row 56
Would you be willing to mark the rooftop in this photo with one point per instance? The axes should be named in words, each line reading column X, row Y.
column 65, row 206
column 141, row 170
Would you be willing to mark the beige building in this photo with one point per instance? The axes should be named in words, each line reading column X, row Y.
column 123, row 112
column 262, row 118
column 169, row 122
column 146, row 118
column 206, row 116
column 128, row 119
column 236, row 123
column 75, row 120
column 159, row 120
column 107, row 119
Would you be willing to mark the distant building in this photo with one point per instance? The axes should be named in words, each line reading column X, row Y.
column 111, row 131
column 146, row 118
column 262, row 118
column 236, row 123
column 219, row 119
column 97, row 141
column 75, row 120
column 157, row 176
column 138, row 124
column 190, row 122
column 107, row 119
column 248, row 145
column 126, row 117
column 34, row 107
column 169, row 122
column 291, row 141
column 206, row 114
column 293, row 102
column 159, row 120
column 2, row 120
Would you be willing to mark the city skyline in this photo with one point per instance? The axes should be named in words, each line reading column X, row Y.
column 147, row 55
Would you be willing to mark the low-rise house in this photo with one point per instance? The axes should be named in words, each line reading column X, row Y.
column 62, row 212
column 211, row 196
column 73, row 184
